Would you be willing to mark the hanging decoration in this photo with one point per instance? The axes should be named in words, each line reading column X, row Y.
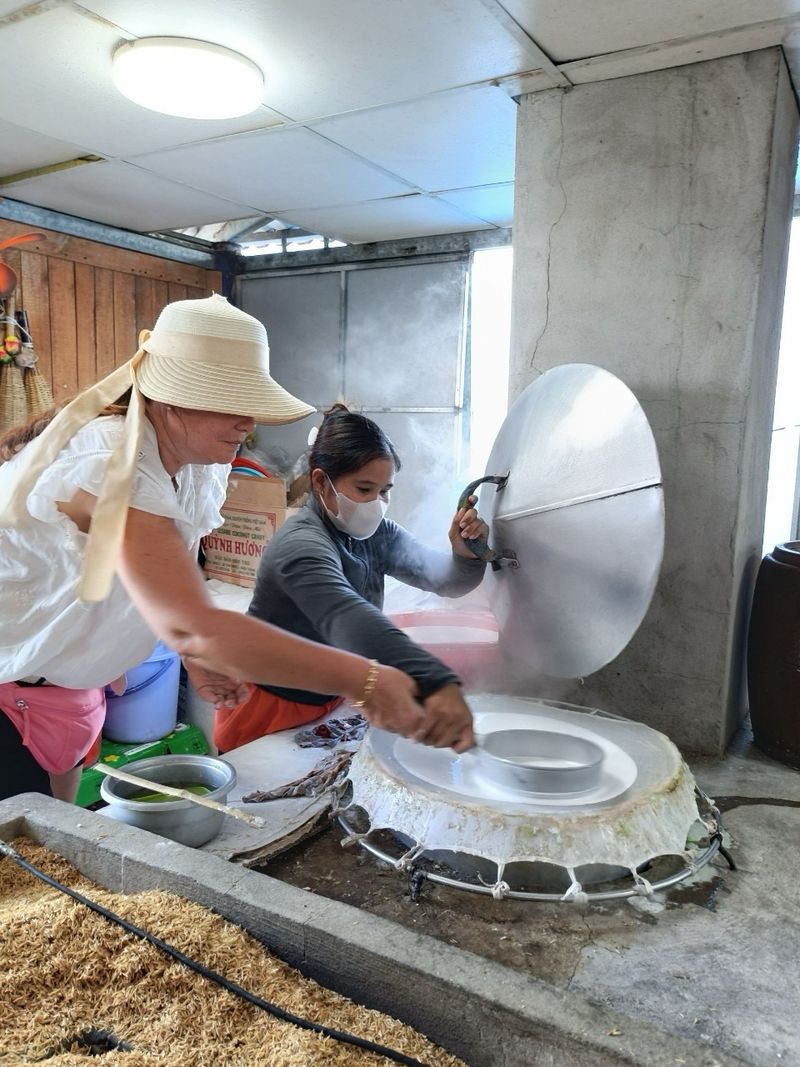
column 13, row 401
column 8, row 277
column 24, row 391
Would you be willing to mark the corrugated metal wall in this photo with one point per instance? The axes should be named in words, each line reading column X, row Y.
column 388, row 338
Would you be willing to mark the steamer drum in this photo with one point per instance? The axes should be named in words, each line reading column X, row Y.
column 556, row 798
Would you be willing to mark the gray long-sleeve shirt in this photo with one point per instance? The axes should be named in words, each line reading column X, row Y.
column 319, row 583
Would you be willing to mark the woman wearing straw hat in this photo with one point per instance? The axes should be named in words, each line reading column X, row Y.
column 101, row 509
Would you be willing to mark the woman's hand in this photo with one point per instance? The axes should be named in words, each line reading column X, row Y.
column 467, row 524
column 392, row 704
column 447, row 722
column 216, row 689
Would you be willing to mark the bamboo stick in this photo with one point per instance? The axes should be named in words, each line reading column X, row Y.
column 183, row 794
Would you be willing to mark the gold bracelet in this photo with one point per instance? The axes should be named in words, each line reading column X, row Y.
column 369, row 685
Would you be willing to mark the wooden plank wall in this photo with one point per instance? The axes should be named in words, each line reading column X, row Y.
column 86, row 302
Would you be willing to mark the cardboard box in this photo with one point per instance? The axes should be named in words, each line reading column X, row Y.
column 254, row 509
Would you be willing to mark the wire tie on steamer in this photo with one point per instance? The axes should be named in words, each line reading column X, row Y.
column 406, row 860
column 352, row 839
column 369, row 684
column 575, row 893
column 500, row 890
column 643, row 887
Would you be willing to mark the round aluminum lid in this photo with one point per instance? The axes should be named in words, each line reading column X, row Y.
column 583, row 513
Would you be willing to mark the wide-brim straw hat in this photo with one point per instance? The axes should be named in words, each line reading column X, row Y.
column 202, row 354
column 208, row 355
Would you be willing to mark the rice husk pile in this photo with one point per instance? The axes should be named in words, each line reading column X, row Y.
column 65, row 971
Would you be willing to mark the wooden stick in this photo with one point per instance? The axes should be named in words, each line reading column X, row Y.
column 183, row 794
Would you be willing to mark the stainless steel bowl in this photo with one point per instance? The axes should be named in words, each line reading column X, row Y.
column 180, row 820
column 540, row 761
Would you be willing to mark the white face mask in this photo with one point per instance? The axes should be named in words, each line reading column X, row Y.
column 359, row 519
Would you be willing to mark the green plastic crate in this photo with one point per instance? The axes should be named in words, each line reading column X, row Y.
column 185, row 738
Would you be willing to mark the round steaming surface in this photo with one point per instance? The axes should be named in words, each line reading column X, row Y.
column 642, row 806
column 466, row 776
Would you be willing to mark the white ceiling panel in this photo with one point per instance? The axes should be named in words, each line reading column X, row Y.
column 9, row 6
column 385, row 220
column 574, row 29
column 492, row 203
column 284, row 169
column 368, row 102
column 322, row 57
column 448, row 141
column 68, row 92
column 119, row 194
column 24, row 150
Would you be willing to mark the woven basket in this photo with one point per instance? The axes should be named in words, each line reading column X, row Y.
column 37, row 392
column 13, row 401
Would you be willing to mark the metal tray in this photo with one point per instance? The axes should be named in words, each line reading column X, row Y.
column 540, row 761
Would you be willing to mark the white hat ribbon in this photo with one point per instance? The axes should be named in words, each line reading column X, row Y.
column 107, row 528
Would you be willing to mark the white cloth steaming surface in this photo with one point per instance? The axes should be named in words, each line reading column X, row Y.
column 643, row 807
column 463, row 775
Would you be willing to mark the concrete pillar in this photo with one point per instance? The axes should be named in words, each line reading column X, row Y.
column 650, row 238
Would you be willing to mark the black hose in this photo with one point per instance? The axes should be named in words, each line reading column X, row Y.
column 206, row 972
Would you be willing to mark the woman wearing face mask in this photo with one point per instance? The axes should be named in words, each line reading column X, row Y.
column 321, row 577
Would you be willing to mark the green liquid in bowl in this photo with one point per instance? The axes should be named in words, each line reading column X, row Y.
column 145, row 796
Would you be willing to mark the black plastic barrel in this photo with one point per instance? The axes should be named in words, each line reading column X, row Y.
column 773, row 655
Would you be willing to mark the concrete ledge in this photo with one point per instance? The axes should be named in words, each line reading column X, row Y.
column 489, row 1015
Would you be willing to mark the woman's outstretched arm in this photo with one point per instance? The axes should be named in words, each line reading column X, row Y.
column 166, row 585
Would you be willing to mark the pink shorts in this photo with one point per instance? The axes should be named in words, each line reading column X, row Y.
column 57, row 725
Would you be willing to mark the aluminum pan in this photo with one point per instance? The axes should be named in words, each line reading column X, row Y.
column 541, row 761
column 583, row 512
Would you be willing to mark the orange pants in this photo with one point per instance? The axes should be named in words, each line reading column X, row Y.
column 263, row 713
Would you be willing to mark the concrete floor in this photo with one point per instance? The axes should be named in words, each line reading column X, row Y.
column 721, row 959
column 716, row 959
column 703, row 975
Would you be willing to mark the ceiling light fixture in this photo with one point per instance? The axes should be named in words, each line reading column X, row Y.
column 190, row 79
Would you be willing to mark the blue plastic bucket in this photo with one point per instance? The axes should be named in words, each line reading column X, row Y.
column 148, row 709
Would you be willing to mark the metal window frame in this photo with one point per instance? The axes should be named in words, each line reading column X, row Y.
column 463, row 258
